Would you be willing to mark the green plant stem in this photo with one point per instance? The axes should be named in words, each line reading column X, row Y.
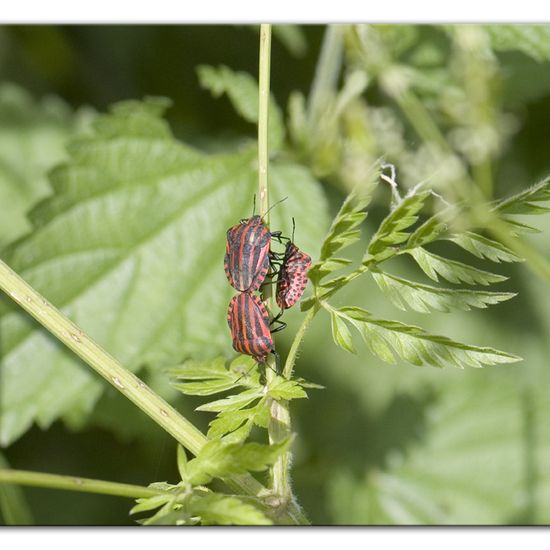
column 70, row 483
column 291, row 358
column 263, row 118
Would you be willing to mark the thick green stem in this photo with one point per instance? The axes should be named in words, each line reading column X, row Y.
column 70, row 483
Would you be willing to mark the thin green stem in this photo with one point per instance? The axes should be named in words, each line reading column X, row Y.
column 291, row 358
column 263, row 118
column 81, row 484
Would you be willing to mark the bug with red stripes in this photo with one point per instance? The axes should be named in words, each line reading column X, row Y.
column 248, row 320
column 292, row 278
column 247, row 253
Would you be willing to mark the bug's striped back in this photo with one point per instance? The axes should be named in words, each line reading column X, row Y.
column 248, row 320
column 246, row 259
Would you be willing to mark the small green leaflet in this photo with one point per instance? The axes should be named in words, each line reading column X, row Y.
column 344, row 229
column 413, row 344
column 391, row 232
column 425, row 298
column 451, row 270
column 242, row 90
column 217, row 509
column 483, row 247
column 527, row 202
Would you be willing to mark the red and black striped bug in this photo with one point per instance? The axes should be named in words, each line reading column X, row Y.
column 292, row 279
column 248, row 320
column 247, row 253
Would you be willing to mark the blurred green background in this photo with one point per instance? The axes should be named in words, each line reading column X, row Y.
column 381, row 444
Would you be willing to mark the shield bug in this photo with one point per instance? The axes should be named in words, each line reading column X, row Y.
column 247, row 253
column 292, row 279
column 248, row 320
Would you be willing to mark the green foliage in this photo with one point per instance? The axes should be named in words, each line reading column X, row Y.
column 480, row 460
column 242, row 90
column 33, row 136
column 532, row 40
column 127, row 248
column 239, row 412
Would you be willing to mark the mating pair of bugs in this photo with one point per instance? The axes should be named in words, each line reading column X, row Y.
column 248, row 257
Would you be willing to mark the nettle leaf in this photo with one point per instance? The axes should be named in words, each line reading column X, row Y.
column 130, row 247
column 425, row 298
column 220, row 459
column 242, row 90
column 527, row 202
column 483, row 247
column 451, row 270
column 533, row 40
column 415, row 345
column 218, row 509
column 469, row 467
column 33, row 136
column 391, row 233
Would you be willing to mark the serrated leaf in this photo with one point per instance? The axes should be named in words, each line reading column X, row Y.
column 415, row 345
column 281, row 388
column 483, row 247
column 468, row 467
column 351, row 214
column 242, row 90
column 229, row 421
column 321, row 269
column 341, row 333
column 218, row 509
column 427, row 232
column 533, row 40
column 527, row 202
column 233, row 402
column 130, row 247
column 391, row 232
column 150, row 503
column 451, row 270
column 33, row 136
column 219, row 459
column 425, row 298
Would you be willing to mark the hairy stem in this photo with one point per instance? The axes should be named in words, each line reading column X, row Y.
column 263, row 118
column 70, row 483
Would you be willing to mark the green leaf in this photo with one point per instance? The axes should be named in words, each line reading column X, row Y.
column 483, row 247
column 233, row 402
column 321, row 269
column 341, row 333
column 33, row 136
column 351, row 214
column 533, row 40
column 527, row 202
column 14, row 509
column 130, row 247
column 418, row 347
column 391, row 232
column 477, row 462
column 280, row 388
column 150, row 503
column 428, row 232
column 228, row 422
column 219, row 459
column 218, row 509
column 424, row 298
column 242, row 90
column 451, row 270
